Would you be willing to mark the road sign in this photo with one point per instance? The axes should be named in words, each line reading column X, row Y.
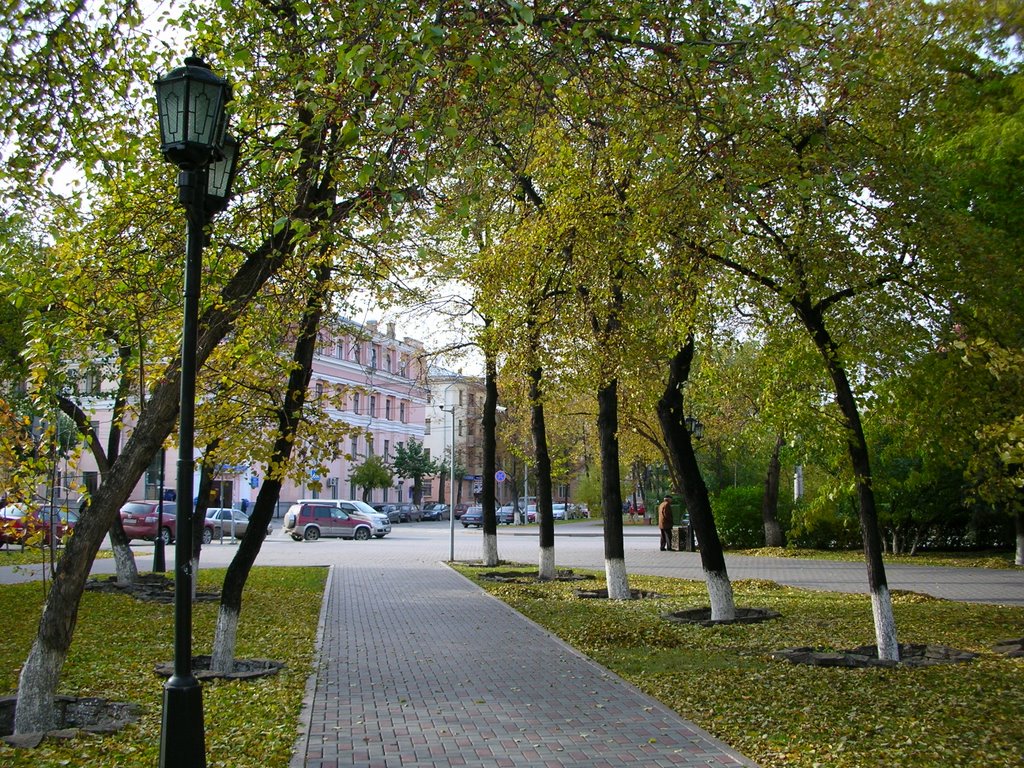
column 500, row 476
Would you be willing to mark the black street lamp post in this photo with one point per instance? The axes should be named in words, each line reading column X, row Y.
column 190, row 103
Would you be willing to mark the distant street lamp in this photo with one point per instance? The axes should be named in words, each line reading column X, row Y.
column 193, row 125
column 695, row 427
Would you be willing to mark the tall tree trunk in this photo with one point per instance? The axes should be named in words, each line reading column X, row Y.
column 545, row 516
column 1019, row 520
column 672, row 418
column 490, row 426
column 40, row 674
column 611, row 491
column 289, row 415
column 770, row 502
column 856, row 445
column 440, row 492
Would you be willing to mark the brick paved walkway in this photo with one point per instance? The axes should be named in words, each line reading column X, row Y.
column 419, row 667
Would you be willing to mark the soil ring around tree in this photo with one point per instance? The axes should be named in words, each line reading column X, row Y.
column 75, row 717
column 911, row 655
column 149, row 588
column 602, row 594
column 243, row 669
column 702, row 616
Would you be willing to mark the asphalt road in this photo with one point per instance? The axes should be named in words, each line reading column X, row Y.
column 580, row 545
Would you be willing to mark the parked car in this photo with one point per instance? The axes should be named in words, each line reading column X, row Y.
column 435, row 511
column 19, row 524
column 396, row 513
column 560, row 511
column 405, row 513
column 227, row 522
column 506, row 514
column 459, row 509
column 472, row 516
column 139, row 520
column 311, row 519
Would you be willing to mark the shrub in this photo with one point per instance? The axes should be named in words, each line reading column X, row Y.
column 737, row 514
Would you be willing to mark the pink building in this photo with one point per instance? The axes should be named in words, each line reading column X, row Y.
column 385, row 396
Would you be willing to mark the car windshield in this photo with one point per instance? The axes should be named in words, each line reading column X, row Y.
column 363, row 507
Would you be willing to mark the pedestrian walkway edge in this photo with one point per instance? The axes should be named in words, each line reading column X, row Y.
column 305, row 713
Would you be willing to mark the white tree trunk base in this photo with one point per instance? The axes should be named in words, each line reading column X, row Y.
column 37, row 687
column 546, row 567
column 222, row 659
column 617, row 579
column 885, row 625
column 1019, row 560
column 723, row 604
column 490, row 556
column 124, row 564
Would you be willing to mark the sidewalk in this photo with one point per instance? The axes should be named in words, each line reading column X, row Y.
column 419, row 667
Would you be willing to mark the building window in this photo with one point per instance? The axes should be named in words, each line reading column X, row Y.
column 387, row 362
column 469, row 428
column 426, row 426
column 319, row 390
column 401, row 412
column 461, row 393
column 404, row 365
column 355, row 403
column 354, row 448
column 369, row 445
column 357, row 351
column 352, row 490
column 472, row 400
column 387, row 452
column 373, row 358
column 460, row 427
column 373, row 406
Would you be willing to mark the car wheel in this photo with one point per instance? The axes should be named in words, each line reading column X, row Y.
column 296, row 537
column 311, row 534
column 362, row 534
column 165, row 535
column 465, row 525
column 207, row 535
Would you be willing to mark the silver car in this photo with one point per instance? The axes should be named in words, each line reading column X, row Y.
column 228, row 522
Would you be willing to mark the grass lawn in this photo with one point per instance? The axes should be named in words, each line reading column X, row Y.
column 119, row 641
column 12, row 554
column 988, row 559
column 780, row 714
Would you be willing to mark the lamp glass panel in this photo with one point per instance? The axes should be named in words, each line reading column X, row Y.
column 205, row 108
column 171, row 109
column 221, row 173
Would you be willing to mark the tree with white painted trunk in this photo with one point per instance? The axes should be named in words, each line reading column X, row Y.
column 672, row 417
column 288, row 416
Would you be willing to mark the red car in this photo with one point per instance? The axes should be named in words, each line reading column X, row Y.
column 18, row 525
column 139, row 520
